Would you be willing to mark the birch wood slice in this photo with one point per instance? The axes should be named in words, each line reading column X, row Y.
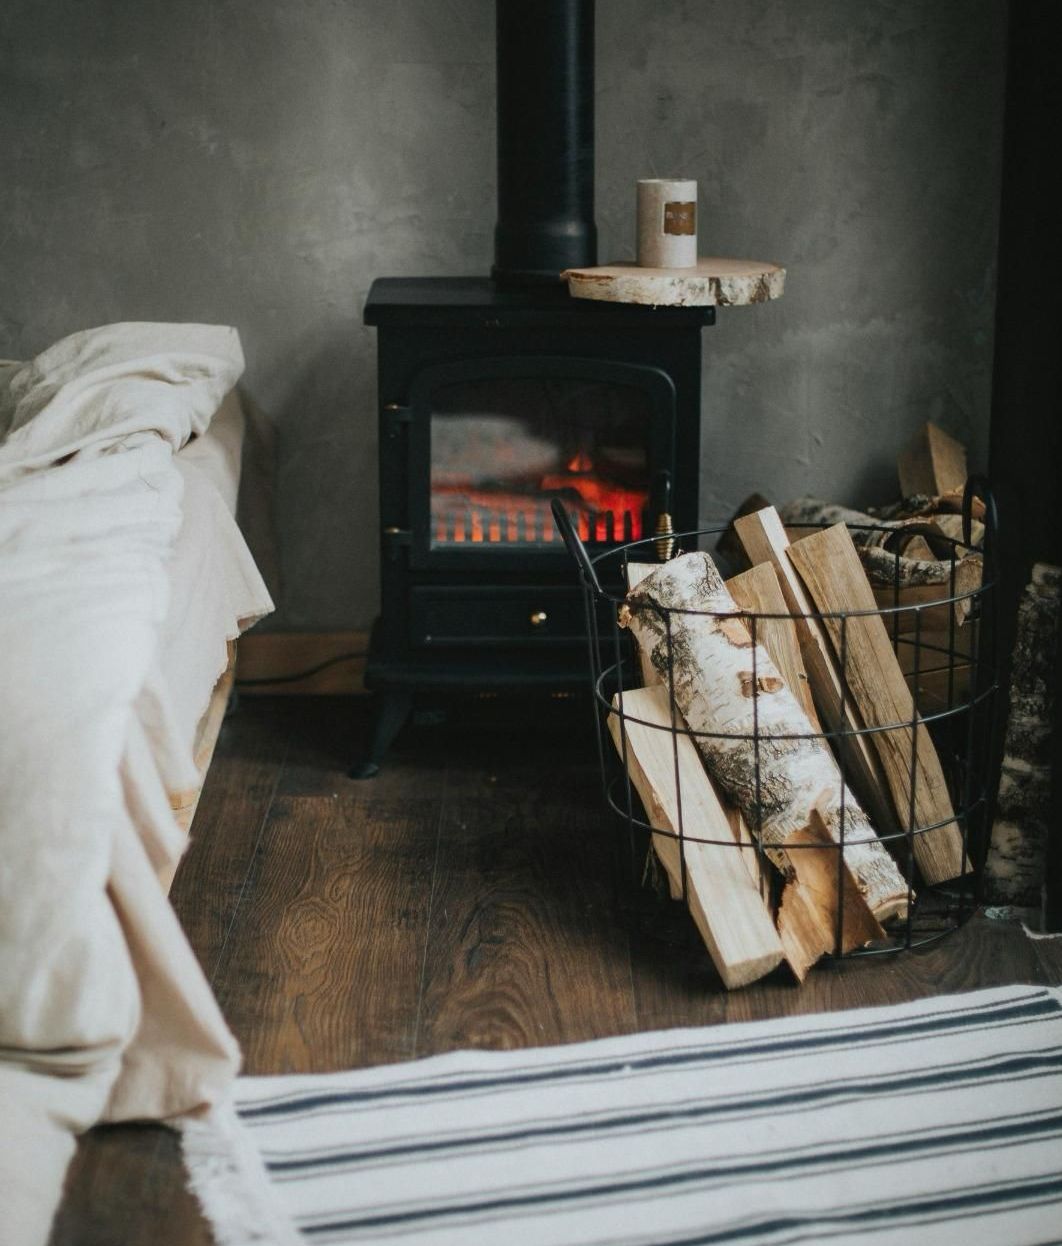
column 713, row 282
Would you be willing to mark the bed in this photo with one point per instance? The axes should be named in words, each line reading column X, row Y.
column 124, row 583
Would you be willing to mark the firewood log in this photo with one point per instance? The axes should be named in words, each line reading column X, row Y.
column 758, row 591
column 812, row 901
column 885, row 570
column 932, row 462
column 898, row 578
column 729, row 548
column 918, row 593
column 950, row 526
column 725, row 896
column 829, row 565
column 748, row 726
column 867, row 531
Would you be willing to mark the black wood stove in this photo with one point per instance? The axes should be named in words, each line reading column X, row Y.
column 498, row 394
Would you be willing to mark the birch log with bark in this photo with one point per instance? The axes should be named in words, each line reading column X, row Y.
column 748, row 726
column 636, row 573
column 885, row 548
column 867, row 531
column 932, row 462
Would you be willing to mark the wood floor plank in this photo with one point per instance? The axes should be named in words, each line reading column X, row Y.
column 1049, row 954
column 236, row 797
column 524, row 947
column 126, row 1185
column 322, row 968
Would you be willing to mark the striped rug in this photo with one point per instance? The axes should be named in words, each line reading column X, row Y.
column 933, row 1122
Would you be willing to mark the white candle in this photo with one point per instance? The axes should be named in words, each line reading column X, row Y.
column 667, row 223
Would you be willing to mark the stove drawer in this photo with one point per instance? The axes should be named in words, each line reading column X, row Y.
column 496, row 616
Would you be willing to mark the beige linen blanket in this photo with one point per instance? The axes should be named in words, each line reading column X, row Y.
column 104, row 1011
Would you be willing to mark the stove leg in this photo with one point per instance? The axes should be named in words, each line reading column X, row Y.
column 390, row 711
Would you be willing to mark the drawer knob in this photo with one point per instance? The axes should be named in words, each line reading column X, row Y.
column 538, row 618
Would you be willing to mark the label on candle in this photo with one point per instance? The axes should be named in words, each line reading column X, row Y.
column 680, row 218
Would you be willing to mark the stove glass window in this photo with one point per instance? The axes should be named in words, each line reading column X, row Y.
column 501, row 448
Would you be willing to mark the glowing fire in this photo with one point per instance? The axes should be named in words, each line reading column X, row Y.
column 603, row 510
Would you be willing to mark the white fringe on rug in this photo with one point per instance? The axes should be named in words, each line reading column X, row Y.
column 226, row 1175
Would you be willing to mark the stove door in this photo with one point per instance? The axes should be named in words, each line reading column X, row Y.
column 493, row 441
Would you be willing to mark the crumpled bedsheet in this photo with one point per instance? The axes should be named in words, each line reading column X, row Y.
column 104, row 1011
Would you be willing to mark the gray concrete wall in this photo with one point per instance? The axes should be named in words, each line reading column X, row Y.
column 259, row 162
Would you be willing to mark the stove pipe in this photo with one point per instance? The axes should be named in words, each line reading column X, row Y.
column 545, row 139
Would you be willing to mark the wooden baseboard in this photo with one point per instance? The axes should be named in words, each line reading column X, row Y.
column 273, row 656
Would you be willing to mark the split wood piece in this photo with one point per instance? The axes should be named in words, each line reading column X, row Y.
column 711, row 282
column 932, row 462
column 764, row 540
column 758, row 591
column 728, row 547
column 748, row 726
column 723, row 895
column 636, row 573
column 808, row 916
column 829, row 565
column 917, row 549
column 951, row 526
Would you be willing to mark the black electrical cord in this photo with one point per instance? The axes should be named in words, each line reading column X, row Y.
column 300, row 675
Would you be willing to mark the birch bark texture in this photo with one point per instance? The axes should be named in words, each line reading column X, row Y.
column 1014, row 870
column 749, row 727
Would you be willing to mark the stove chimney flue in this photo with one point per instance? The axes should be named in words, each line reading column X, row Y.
column 545, row 72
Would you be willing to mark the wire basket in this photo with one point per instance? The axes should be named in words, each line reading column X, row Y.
column 943, row 644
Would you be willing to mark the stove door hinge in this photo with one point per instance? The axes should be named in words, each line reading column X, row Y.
column 394, row 416
column 395, row 538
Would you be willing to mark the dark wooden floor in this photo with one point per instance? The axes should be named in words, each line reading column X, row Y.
column 465, row 897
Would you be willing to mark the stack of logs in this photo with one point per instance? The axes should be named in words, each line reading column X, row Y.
column 776, row 741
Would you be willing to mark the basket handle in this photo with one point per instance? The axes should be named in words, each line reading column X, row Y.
column 575, row 546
